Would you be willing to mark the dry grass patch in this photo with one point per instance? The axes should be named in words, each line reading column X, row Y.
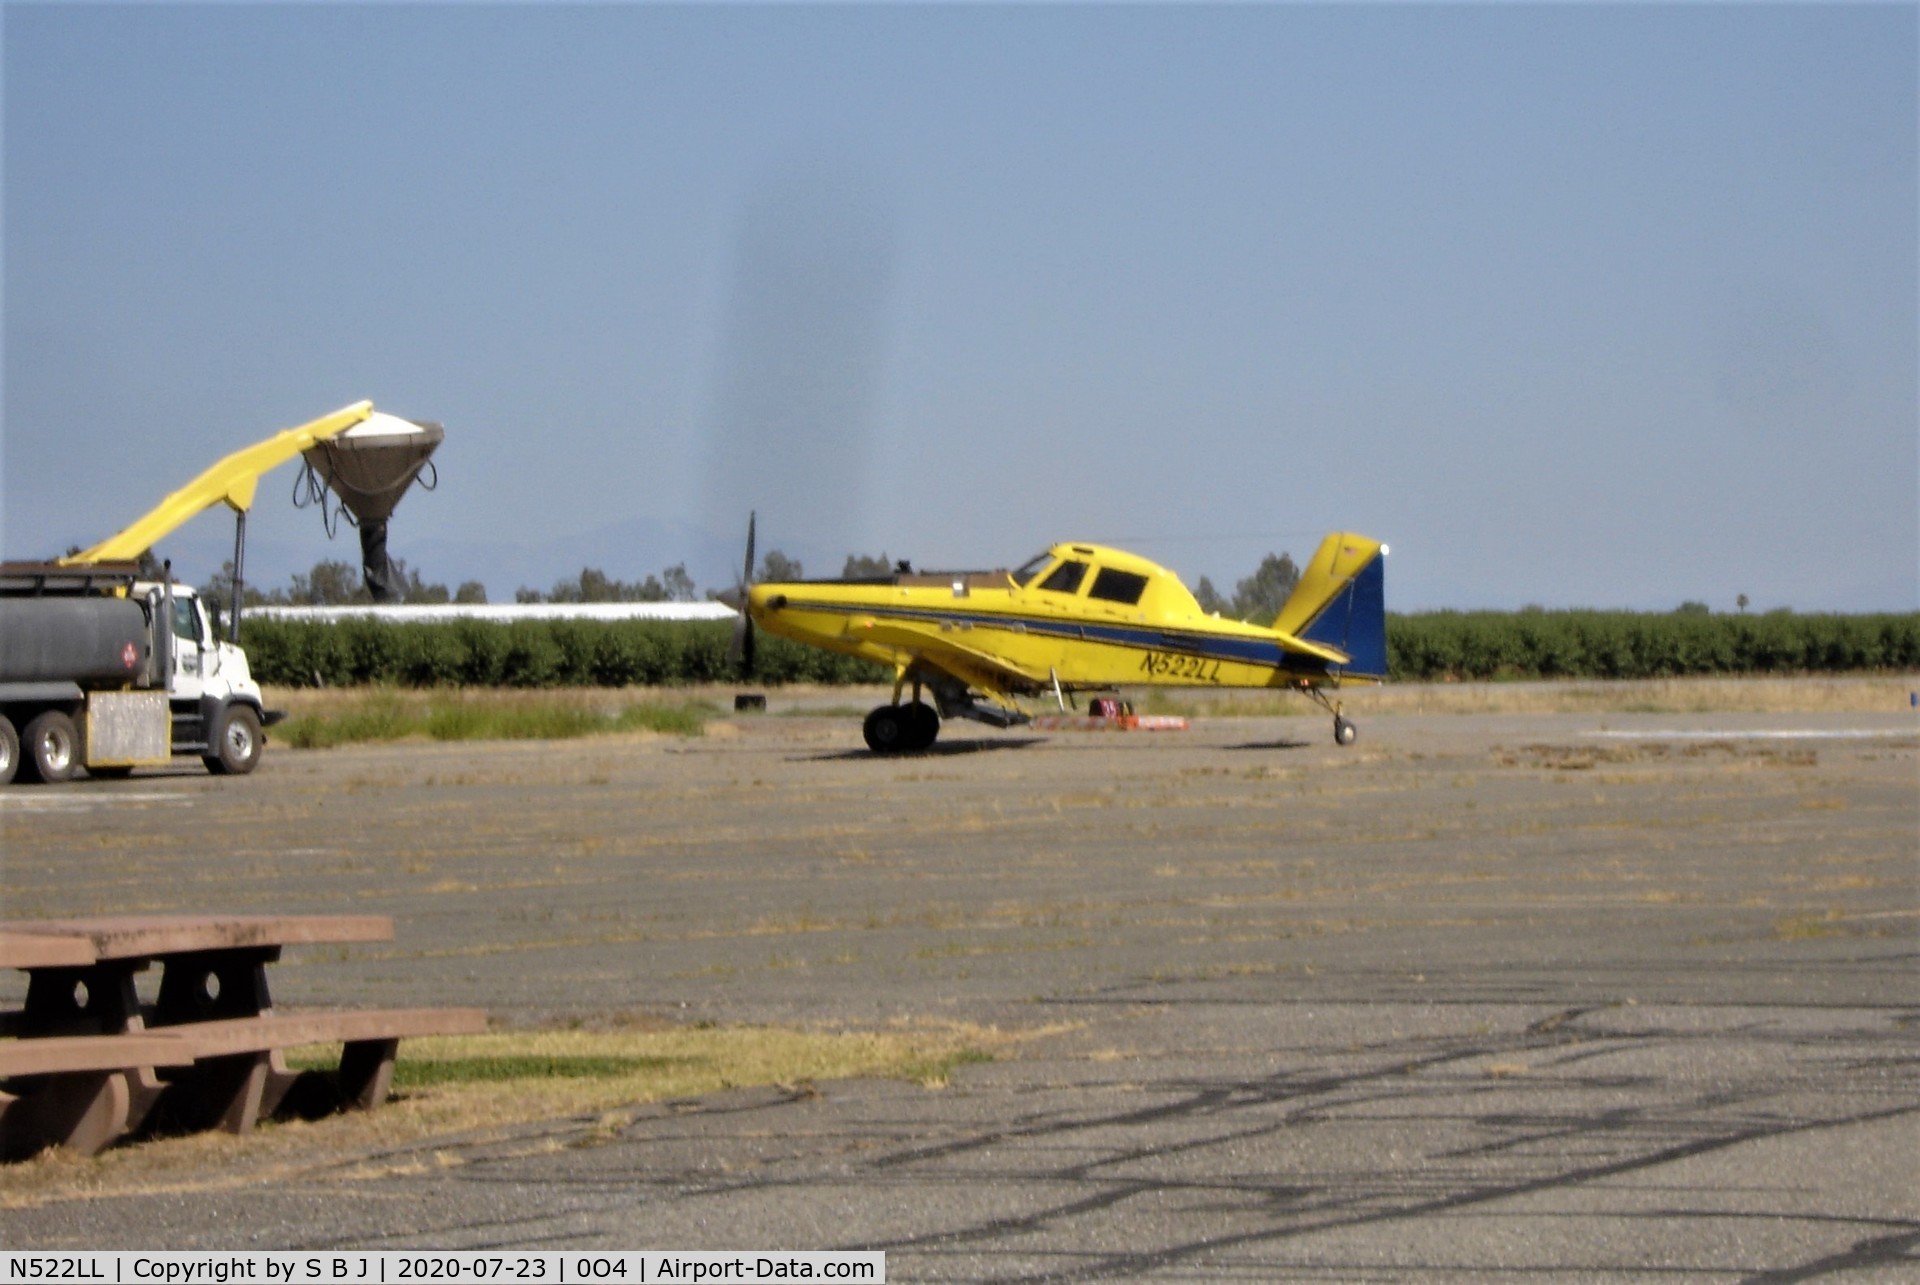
column 371, row 713
column 320, row 718
column 456, row 1092
column 1652, row 753
column 1803, row 695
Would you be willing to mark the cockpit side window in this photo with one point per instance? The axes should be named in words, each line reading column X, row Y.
column 1032, row 567
column 1066, row 577
column 1118, row 586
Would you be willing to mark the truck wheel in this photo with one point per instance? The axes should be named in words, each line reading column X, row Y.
column 237, row 748
column 49, row 748
column 9, row 750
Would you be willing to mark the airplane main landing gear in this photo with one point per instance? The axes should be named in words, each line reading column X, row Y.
column 1343, row 731
column 900, row 729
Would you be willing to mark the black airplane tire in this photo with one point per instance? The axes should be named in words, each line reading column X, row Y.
column 1344, row 732
column 886, row 730
column 49, row 748
column 923, row 725
column 9, row 750
column 236, row 748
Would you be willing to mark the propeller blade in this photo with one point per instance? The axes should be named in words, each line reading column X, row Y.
column 737, row 649
column 740, row 651
column 746, row 575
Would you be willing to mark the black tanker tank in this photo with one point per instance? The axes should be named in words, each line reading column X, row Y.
column 89, row 641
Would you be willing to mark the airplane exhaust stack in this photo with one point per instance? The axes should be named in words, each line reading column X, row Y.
column 369, row 467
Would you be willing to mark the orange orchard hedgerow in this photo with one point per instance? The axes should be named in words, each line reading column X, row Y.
column 1428, row 646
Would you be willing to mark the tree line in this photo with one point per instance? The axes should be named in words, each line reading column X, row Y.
column 332, row 583
column 1257, row 597
column 1423, row 647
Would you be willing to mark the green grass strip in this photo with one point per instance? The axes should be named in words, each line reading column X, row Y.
column 385, row 717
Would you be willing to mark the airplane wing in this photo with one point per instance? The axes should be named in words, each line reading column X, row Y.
column 952, row 651
column 945, row 650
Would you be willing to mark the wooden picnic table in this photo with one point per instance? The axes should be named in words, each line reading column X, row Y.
column 36, row 950
column 90, row 1061
column 212, row 966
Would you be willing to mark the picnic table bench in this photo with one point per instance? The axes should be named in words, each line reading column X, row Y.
column 88, row 1061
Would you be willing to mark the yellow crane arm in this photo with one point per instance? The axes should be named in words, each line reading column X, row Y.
column 232, row 481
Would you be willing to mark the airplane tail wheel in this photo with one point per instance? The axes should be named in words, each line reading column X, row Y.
column 1344, row 732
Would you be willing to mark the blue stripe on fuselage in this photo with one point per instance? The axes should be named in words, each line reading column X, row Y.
column 1257, row 651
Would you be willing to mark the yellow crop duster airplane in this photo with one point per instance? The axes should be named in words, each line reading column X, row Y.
column 1079, row 617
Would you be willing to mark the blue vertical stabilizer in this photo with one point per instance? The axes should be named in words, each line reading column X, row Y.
column 1355, row 621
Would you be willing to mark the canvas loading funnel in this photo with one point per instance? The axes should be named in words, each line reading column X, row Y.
column 371, row 465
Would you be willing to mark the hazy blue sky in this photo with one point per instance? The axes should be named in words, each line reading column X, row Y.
column 1576, row 305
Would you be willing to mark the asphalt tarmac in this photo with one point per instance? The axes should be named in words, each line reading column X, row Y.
column 1567, row 997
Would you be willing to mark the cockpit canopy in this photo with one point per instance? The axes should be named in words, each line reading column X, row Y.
column 1105, row 576
column 1033, row 567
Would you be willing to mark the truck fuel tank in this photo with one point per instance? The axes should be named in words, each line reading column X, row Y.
column 85, row 640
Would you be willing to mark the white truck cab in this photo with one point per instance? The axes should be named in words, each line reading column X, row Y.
column 209, row 686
